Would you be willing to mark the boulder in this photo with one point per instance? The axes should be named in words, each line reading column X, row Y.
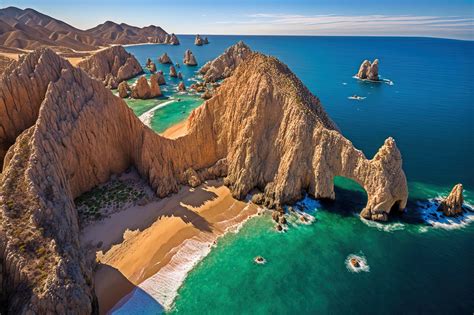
column 155, row 90
column 189, row 58
column 368, row 70
column 152, row 67
column 142, row 89
column 181, row 86
column 452, row 205
column 206, row 95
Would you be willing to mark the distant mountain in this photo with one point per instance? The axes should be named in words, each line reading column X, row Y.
column 29, row 29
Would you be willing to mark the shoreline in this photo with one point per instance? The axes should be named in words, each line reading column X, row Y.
column 177, row 130
column 150, row 249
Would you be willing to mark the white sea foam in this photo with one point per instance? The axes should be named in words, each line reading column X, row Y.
column 386, row 227
column 436, row 219
column 363, row 265
column 357, row 98
column 344, row 83
column 163, row 286
column 148, row 115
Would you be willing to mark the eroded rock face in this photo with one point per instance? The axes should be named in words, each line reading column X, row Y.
column 152, row 67
column 369, row 71
column 452, row 205
column 181, row 86
column 123, row 89
column 161, row 78
column 262, row 129
column 223, row 66
column 198, row 41
column 142, row 90
column 165, row 59
column 171, row 39
column 189, row 58
column 111, row 66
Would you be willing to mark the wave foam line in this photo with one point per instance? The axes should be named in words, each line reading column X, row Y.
column 146, row 116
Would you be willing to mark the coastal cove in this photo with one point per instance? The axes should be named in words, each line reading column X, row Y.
column 425, row 110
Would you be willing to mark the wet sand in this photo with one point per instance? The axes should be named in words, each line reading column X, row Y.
column 176, row 131
column 141, row 241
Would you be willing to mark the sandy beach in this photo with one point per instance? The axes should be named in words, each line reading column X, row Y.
column 178, row 130
column 142, row 241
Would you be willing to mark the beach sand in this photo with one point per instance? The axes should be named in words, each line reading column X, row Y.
column 139, row 242
column 176, row 131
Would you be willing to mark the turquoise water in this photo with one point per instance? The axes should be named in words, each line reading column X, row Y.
column 415, row 268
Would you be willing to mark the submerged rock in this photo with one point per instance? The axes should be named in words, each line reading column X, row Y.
column 223, row 66
column 207, row 94
column 452, row 205
column 189, row 58
column 369, row 71
column 123, row 89
column 165, row 59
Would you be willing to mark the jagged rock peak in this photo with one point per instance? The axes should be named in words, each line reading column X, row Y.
column 164, row 59
column 198, row 41
column 189, row 58
column 171, row 39
column 452, row 205
column 173, row 73
column 123, row 89
column 223, row 66
column 369, row 71
column 181, row 86
column 111, row 66
column 142, row 90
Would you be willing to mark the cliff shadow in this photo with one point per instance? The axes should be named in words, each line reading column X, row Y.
column 114, row 290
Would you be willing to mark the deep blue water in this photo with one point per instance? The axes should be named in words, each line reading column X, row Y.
column 414, row 268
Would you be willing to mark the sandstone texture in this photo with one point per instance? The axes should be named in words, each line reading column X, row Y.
column 165, row 59
column 189, row 58
column 223, row 66
column 65, row 133
column 369, row 71
column 111, row 66
column 143, row 90
column 452, row 205
column 123, row 89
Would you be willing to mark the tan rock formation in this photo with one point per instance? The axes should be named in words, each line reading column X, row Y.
column 111, row 66
column 161, row 78
column 171, row 39
column 223, row 66
column 148, row 62
column 263, row 129
column 189, row 58
column 452, row 205
column 142, row 90
column 173, row 73
column 155, row 89
column 152, row 67
column 123, row 89
column 198, row 41
column 207, row 94
column 165, row 59
column 181, row 86
column 369, row 71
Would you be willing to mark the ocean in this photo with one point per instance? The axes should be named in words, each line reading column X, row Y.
column 415, row 264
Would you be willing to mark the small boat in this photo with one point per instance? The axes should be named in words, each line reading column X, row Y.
column 356, row 97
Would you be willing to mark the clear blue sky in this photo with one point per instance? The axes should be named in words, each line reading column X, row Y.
column 437, row 18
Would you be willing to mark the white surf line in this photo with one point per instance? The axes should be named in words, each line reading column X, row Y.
column 146, row 116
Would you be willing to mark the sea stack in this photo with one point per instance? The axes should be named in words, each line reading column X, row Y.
column 369, row 71
column 452, row 205
column 189, row 58
column 123, row 89
column 198, row 41
column 152, row 67
column 173, row 73
column 111, row 66
column 180, row 75
column 171, row 39
column 181, row 87
column 161, row 78
column 223, row 66
column 143, row 91
column 205, row 41
column 164, row 59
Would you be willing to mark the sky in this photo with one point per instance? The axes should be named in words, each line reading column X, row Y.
column 432, row 18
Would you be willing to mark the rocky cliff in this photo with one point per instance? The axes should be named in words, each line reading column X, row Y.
column 369, row 71
column 165, row 59
column 223, row 66
column 261, row 130
column 171, row 39
column 452, row 205
column 111, row 66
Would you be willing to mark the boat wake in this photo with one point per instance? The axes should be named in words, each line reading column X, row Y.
column 436, row 219
column 357, row 263
column 356, row 97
